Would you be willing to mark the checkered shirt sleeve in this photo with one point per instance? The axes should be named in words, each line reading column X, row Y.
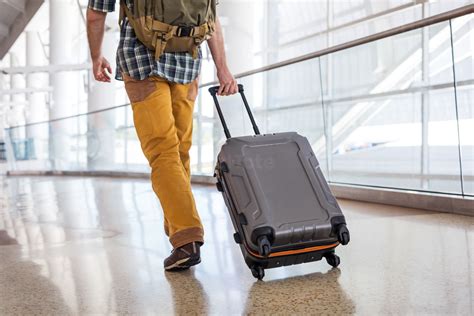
column 102, row 5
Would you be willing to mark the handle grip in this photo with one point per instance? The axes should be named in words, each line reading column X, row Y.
column 213, row 91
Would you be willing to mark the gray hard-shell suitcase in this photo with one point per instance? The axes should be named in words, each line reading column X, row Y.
column 281, row 206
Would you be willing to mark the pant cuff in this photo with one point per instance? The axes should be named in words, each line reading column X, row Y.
column 186, row 236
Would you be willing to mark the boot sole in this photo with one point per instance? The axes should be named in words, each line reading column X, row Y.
column 183, row 264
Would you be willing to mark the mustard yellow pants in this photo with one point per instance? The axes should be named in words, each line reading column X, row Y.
column 163, row 117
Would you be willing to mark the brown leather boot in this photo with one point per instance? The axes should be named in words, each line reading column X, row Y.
column 184, row 257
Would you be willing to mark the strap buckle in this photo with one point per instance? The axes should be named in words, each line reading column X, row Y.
column 185, row 31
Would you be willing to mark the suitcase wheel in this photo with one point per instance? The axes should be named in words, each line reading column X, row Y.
column 242, row 219
column 219, row 186
column 343, row 234
column 258, row 272
column 224, row 167
column 264, row 246
column 332, row 259
column 237, row 238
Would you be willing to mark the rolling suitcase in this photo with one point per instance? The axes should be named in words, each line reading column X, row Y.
column 280, row 204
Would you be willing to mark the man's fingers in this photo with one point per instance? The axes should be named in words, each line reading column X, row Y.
column 227, row 88
column 107, row 71
column 101, row 77
column 235, row 87
column 221, row 87
column 102, row 70
column 105, row 76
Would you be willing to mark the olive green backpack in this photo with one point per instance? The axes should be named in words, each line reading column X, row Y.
column 171, row 25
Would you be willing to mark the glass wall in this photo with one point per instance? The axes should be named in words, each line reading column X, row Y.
column 259, row 33
column 393, row 113
column 102, row 141
column 386, row 114
column 463, row 40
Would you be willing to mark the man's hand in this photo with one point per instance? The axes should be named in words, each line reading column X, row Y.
column 227, row 82
column 100, row 67
column 95, row 34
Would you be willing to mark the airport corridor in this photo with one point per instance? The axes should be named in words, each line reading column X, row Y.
column 92, row 245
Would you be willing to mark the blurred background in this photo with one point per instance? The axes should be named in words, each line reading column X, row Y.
column 396, row 112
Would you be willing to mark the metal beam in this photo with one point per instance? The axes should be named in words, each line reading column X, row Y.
column 369, row 96
column 11, row 103
column 48, row 69
column 446, row 203
column 17, row 5
column 25, row 90
column 27, row 11
column 352, row 23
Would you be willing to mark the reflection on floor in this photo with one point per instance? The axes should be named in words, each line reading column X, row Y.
column 95, row 245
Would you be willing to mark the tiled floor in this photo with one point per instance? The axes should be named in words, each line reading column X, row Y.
column 96, row 246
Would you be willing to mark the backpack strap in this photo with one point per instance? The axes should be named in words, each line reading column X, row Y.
column 121, row 13
column 125, row 12
column 163, row 32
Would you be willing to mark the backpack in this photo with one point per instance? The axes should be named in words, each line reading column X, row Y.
column 171, row 25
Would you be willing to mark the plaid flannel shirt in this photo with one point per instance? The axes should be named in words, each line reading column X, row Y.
column 137, row 61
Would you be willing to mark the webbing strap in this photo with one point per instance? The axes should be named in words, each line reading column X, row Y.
column 125, row 12
column 159, row 43
column 160, row 26
column 162, row 32
column 121, row 15
column 195, row 52
column 172, row 30
column 201, row 31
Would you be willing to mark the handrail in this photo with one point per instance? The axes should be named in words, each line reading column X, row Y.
column 448, row 15
column 360, row 41
column 71, row 116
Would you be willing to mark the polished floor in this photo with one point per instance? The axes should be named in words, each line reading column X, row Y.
column 96, row 246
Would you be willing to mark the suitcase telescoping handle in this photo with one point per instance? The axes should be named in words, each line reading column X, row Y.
column 213, row 91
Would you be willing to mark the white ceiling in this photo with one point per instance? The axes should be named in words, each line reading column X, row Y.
column 14, row 16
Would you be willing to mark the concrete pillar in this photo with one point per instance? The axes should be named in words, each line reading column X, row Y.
column 4, row 109
column 37, row 110
column 425, row 105
column 101, row 126
column 63, row 15
column 16, row 100
column 3, row 105
column 327, row 87
column 16, row 113
column 237, row 25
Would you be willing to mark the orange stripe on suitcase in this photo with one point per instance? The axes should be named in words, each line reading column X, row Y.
column 295, row 252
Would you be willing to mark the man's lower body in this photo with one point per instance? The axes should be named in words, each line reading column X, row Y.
column 163, row 117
